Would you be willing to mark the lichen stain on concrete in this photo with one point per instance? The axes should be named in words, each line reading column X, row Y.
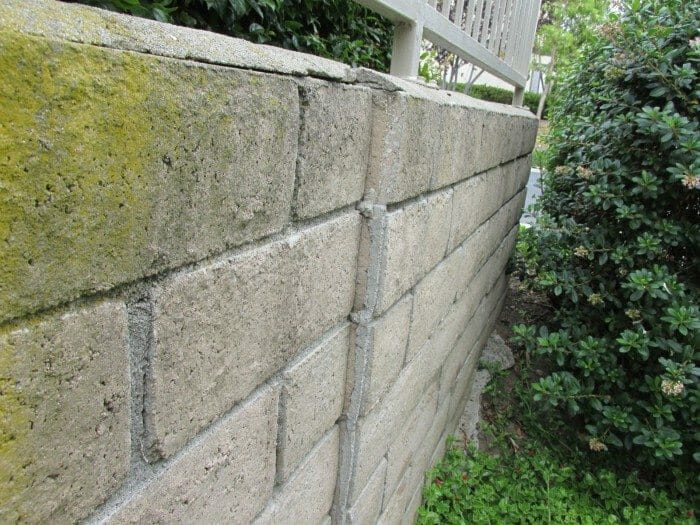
column 74, row 153
column 15, row 423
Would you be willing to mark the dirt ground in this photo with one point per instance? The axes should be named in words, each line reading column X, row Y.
column 521, row 306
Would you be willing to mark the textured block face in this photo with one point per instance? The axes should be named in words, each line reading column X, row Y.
column 433, row 297
column 407, row 146
column 333, row 147
column 369, row 504
column 308, row 495
column 228, row 476
column 312, row 399
column 475, row 200
column 389, row 338
column 116, row 165
column 408, row 443
column 529, row 135
column 416, row 240
column 377, row 430
column 64, row 428
column 222, row 330
column 462, row 135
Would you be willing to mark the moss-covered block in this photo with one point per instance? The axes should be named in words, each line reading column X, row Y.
column 116, row 165
column 64, row 414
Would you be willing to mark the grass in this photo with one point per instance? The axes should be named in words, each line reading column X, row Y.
column 537, row 469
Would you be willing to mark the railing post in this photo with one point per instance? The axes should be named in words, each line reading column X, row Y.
column 518, row 96
column 405, row 54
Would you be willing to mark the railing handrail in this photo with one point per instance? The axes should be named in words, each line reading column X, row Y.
column 493, row 28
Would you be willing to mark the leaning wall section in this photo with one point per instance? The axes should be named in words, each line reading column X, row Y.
column 238, row 283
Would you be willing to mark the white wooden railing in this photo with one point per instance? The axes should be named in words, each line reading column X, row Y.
column 494, row 35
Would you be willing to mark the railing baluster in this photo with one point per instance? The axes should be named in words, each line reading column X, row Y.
column 459, row 9
column 446, row 8
column 476, row 27
column 494, row 43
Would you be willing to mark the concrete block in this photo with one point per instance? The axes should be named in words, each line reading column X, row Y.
column 381, row 426
column 368, row 506
column 101, row 28
column 475, row 200
column 411, row 512
column 433, row 297
column 479, row 246
column 389, row 336
column 227, row 474
column 308, row 495
column 64, row 400
column 499, row 143
column 416, row 240
column 395, row 504
column 462, row 135
column 333, row 146
column 471, row 332
column 116, row 165
column 408, row 441
column 401, row 159
column 434, row 443
column 312, row 399
column 222, row 330
column 528, row 135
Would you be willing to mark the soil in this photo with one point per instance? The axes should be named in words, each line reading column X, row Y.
column 521, row 306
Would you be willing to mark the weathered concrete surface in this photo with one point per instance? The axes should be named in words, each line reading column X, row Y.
column 228, row 475
column 389, row 337
column 333, row 147
column 224, row 329
column 64, row 405
column 369, row 503
column 308, row 495
column 312, row 399
column 415, row 241
column 77, row 23
column 115, row 165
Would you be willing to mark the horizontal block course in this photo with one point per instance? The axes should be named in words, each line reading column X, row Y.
column 415, row 241
column 224, row 329
column 64, row 405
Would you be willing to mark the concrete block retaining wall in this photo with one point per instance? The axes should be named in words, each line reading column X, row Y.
column 238, row 284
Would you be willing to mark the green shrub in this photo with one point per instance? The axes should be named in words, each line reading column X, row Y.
column 338, row 29
column 501, row 95
column 617, row 246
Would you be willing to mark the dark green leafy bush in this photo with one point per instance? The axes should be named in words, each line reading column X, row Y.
column 617, row 246
column 338, row 29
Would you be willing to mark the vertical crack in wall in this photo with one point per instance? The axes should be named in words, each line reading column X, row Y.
column 303, row 104
column 373, row 267
column 140, row 316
